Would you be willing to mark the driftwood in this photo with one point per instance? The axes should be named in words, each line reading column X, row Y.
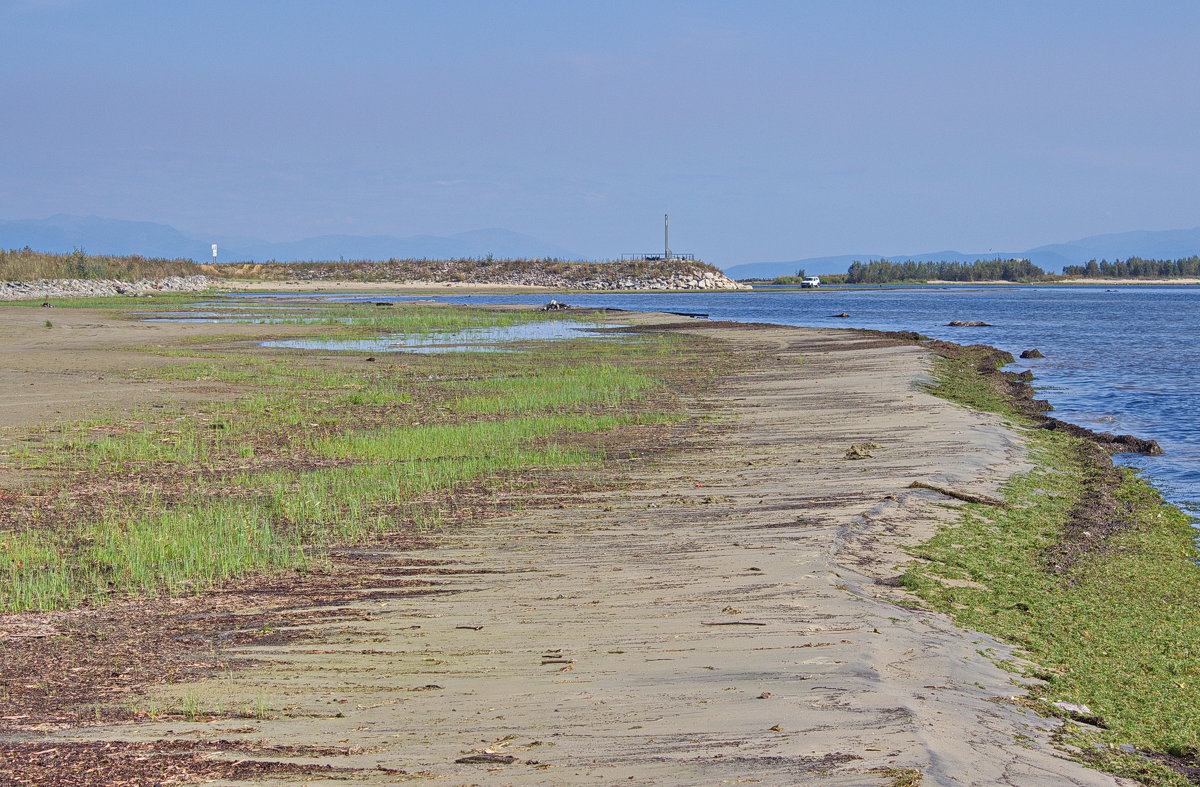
column 733, row 623
column 487, row 759
column 965, row 496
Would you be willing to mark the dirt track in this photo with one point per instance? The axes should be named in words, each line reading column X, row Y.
column 728, row 621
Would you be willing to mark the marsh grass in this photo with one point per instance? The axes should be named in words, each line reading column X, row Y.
column 1119, row 631
column 312, row 451
column 26, row 265
column 116, row 302
column 601, row 385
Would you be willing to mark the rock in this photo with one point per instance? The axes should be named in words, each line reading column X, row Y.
column 1114, row 444
column 1033, row 353
column 75, row 288
column 554, row 306
column 843, row 314
column 1079, row 712
column 968, row 324
column 908, row 336
column 861, row 450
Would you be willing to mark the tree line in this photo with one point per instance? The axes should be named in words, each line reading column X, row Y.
column 1137, row 268
column 882, row 271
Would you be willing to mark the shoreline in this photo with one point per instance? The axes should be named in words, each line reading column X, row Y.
column 775, row 484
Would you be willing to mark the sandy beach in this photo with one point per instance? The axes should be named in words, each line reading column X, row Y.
column 727, row 616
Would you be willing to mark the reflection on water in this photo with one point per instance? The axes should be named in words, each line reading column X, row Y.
column 250, row 319
column 1122, row 359
column 492, row 339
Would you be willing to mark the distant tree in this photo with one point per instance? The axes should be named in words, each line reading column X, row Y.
column 1137, row 268
column 883, row 271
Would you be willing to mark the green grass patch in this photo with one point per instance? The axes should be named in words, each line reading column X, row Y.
column 589, row 385
column 312, row 450
column 116, row 302
column 959, row 380
column 148, row 549
column 1118, row 631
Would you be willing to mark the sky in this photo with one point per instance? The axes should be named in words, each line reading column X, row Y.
column 768, row 130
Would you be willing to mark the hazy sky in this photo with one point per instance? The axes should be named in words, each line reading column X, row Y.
column 768, row 130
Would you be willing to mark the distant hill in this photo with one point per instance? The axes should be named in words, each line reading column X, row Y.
column 62, row 234
column 1156, row 245
column 1150, row 244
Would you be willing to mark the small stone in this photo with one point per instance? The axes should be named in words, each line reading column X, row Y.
column 1079, row 712
column 862, row 450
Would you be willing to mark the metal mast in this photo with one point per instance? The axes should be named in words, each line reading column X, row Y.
column 666, row 238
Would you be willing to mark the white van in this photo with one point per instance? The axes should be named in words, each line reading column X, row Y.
column 811, row 281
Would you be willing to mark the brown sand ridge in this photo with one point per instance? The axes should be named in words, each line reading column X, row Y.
column 727, row 620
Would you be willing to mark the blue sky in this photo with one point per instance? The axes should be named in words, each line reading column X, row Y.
column 768, row 130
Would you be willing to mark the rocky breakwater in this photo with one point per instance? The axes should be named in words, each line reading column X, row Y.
column 93, row 288
column 551, row 274
column 689, row 280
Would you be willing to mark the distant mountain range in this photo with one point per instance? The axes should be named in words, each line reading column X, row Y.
column 1161, row 244
column 62, row 234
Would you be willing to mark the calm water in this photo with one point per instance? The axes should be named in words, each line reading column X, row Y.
column 1121, row 359
column 493, row 339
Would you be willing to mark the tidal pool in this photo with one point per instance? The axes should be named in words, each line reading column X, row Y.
column 491, row 339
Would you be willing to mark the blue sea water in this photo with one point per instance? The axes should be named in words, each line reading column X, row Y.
column 1123, row 359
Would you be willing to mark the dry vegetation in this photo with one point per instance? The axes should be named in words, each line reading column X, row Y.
column 483, row 271
column 27, row 265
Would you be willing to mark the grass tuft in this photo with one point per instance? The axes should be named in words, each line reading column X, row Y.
column 311, row 451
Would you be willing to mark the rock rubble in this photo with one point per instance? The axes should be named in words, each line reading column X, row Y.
column 634, row 275
column 89, row 288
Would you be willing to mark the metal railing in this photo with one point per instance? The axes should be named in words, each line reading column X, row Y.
column 657, row 255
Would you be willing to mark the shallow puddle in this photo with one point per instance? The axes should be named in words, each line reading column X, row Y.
column 492, row 339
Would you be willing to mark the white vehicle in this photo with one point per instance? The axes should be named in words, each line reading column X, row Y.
column 811, row 281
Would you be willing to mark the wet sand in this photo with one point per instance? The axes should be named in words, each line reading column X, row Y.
column 730, row 618
column 78, row 367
